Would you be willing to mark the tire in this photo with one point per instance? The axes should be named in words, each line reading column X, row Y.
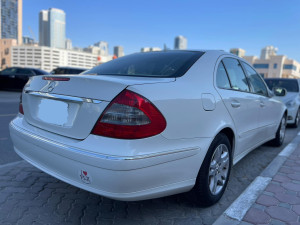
column 279, row 138
column 296, row 123
column 205, row 192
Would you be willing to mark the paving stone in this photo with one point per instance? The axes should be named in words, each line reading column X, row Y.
column 296, row 209
column 282, row 214
column 267, row 200
column 287, row 198
column 285, row 205
column 274, row 188
column 291, row 186
column 256, row 216
column 276, row 222
column 294, row 176
column 258, row 206
column 286, row 170
column 280, row 178
column 268, row 193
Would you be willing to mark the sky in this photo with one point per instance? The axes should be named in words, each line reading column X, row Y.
column 208, row 24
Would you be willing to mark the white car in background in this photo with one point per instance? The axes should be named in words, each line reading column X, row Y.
column 291, row 99
column 148, row 125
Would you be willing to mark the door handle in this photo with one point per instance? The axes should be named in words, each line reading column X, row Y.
column 235, row 104
column 262, row 104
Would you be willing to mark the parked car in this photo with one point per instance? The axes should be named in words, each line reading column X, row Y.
column 149, row 124
column 16, row 77
column 291, row 99
column 68, row 70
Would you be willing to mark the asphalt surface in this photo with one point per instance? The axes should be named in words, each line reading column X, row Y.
column 29, row 196
column 9, row 106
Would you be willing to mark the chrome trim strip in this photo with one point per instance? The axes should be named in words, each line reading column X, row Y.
column 63, row 97
column 101, row 156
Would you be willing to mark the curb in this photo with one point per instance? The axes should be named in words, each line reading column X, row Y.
column 234, row 214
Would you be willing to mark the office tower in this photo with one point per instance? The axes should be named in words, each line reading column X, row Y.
column 52, row 28
column 68, row 44
column 11, row 20
column 118, row 51
column 180, row 43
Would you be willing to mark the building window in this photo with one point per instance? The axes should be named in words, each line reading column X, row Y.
column 289, row 67
column 262, row 75
column 275, row 66
column 261, row 66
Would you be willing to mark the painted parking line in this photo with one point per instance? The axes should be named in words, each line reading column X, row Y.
column 3, row 139
column 3, row 115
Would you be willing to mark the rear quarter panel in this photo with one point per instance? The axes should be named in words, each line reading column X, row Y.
column 181, row 102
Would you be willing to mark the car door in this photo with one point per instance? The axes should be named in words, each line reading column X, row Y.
column 268, row 112
column 241, row 104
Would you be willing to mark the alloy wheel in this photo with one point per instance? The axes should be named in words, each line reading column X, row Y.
column 218, row 170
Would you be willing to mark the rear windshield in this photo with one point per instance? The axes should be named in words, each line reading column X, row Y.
column 289, row 85
column 67, row 71
column 149, row 64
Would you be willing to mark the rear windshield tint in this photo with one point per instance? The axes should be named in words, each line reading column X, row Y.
column 149, row 64
column 289, row 85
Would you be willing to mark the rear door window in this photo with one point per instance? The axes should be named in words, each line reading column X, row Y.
column 236, row 74
column 258, row 86
column 222, row 78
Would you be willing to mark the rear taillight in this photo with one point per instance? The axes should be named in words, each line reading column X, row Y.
column 130, row 116
column 21, row 106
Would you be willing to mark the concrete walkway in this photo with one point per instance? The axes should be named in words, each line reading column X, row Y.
column 274, row 196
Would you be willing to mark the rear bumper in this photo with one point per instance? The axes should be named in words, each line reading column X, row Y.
column 118, row 177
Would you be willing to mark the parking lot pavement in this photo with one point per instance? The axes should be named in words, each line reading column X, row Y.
column 9, row 103
column 29, row 196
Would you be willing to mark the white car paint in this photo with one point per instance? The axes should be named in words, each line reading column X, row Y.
column 195, row 111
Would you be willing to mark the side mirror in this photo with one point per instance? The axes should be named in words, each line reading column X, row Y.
column 280, row 92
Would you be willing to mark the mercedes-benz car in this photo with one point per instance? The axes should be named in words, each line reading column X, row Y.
column 291, row 99
column 149, row 125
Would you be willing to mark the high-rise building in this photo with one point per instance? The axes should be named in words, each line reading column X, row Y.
column 180, row 43
column 52, row 28
column 238, row 51
column 11, row 20
column 68, row 44
column 44, row 28
column 118, row 51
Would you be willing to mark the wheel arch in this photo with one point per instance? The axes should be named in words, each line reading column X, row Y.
column 231, row 136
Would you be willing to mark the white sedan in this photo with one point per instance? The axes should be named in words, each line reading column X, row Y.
column 148, row 125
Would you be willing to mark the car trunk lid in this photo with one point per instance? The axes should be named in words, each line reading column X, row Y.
column 71, row 106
